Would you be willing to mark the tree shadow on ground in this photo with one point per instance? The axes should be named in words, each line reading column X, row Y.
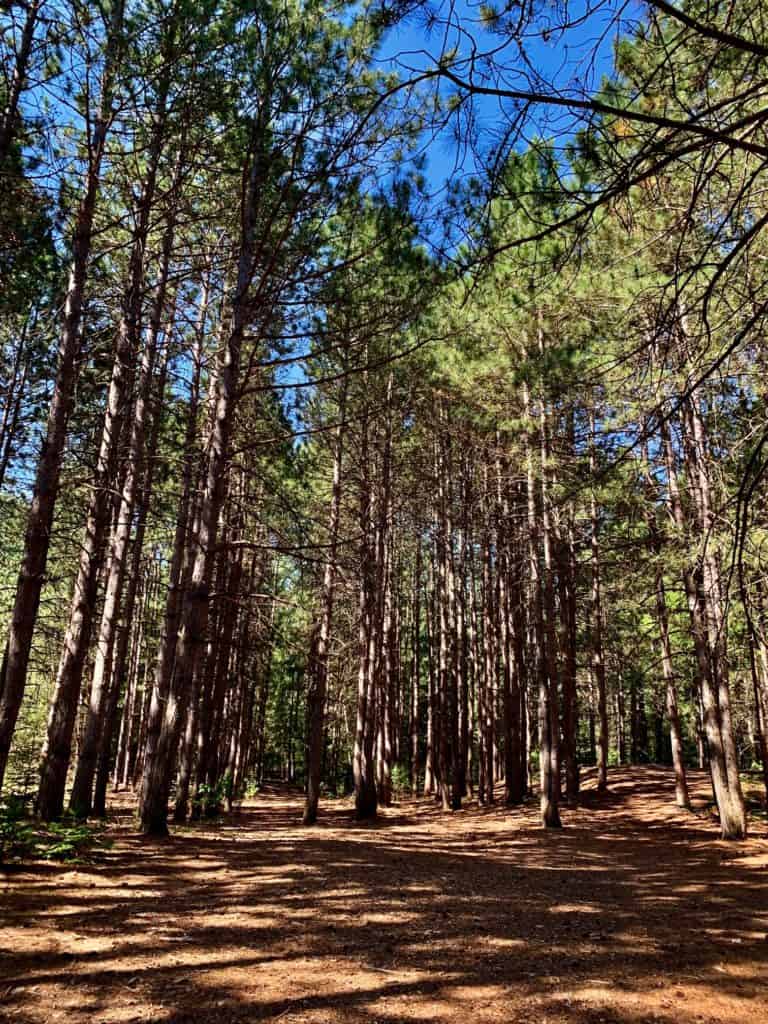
column 634, row 912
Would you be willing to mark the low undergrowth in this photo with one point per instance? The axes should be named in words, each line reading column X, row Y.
column 22, row 838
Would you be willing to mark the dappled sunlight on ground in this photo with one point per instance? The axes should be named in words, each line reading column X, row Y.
column 634, row 913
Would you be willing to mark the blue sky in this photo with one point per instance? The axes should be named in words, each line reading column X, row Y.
column 574, row 60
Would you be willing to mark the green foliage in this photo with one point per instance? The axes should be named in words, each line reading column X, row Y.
column 401, row 779
column 208, row 799
column 23, row 839
column 17, row 836
column 68, row 840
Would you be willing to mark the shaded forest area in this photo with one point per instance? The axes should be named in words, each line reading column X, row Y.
column 383, row 420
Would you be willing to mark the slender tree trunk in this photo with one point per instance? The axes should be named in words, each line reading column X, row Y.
column 318, row 661
column 429, row 624
column 193, row 617
column 730, row 804
column 508, row 598
column 158, row 694
column 210, row 769
column 363, row 759
column 682, row 797
column 127, row 717
column 386, row 680
column 758, row 653
column 444, row 681
column 415, row 672
column 80, row 799
column 131, row 641
column 462, row 664
column 489, row 676
column 734, row 820
column 37, row 538
column 57, row 748
column 246, row 688
column 189, row 747
column 8, row 122
column 13, row 401
column 598, row 658
column 549, row 722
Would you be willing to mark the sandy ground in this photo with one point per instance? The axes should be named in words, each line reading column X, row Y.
column 633, row 913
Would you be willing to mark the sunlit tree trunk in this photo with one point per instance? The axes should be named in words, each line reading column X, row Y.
column 318, row 658
column 136, row 463
column 193, row 615
column 415, row 670
column 730, row 805
column 37, row 537
column 597, row 653
column 364, row 768
column 429, row 624
column 549, row 719
column 695, row 449
column 61, row 719
column 682, row 797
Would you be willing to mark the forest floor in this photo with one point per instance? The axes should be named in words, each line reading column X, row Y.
column 635, row 912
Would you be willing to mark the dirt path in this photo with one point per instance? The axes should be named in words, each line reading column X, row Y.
column 632, row 913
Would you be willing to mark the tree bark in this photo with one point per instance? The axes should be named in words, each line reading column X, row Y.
column 730, row 804
column 598, row 657
column 415, row 671
column 136, row 471
column 37, row 537
column 364, row 768
column 193, row 617
column 18, row 80
column 318, row 660
column 549, row 721
column 61, row 720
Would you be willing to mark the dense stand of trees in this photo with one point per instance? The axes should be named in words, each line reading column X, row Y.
column 293, row 481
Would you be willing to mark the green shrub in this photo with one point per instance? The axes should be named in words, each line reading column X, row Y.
column 207, row 800
column 21, row 838
column 17, row 836
column 401, row 779
column 68, row 839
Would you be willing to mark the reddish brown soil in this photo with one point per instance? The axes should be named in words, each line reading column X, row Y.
column 633, row 913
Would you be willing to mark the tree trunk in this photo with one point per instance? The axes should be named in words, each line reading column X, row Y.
column 193, row 617
column 734, row 817
column 318, row 660
column 80, row 799
column 549, row 723
column 363, row 757
column 567, row 590
column 18, row 80
column 37, row 538
column 13, row 400
column 598, row 658
column 730, row 804
column 415, row 671
column 682, row 797
column 57, row 748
